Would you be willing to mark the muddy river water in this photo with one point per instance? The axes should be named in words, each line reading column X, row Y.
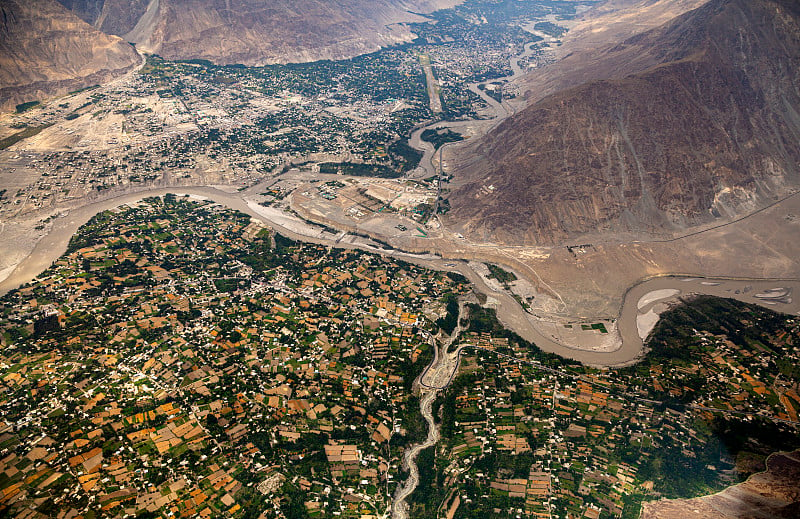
column 638, row 314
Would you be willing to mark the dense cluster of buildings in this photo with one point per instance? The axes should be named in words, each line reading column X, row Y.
column 183, row 360
column 526, row 436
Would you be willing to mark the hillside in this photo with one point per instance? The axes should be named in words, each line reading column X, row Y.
column 253, row 32
column 698, row 123
column 110, row 16
column 46, row 50
column 771, row 494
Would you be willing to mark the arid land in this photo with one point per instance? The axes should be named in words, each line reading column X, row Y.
column 558, row 288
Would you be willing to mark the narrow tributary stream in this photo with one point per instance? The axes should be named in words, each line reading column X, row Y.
column 400, row 507
column 442, row 362
column 442, row 368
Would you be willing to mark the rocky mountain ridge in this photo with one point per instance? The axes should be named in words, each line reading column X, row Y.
column 699, row 123
column 50, row 47
column 255, row 32
column 46, row 50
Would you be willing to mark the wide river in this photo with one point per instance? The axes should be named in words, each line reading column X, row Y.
column 638, row 314
column 638, row 309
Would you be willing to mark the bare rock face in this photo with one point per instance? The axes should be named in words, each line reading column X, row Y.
column 616, row 20
column 774, row 494
column 110, row 16
column 588, row 53
column 87, row 10
column 257, row 32
column 699, row 123
column 45, row 50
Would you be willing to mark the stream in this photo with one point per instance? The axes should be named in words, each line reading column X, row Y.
column 435, row 378
column 501, row 112
column 440, row 372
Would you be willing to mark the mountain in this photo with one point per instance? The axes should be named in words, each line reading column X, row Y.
column 616, row 20
column 257, row 32
column 46, row 50
column 110, row 16
column 772, row 494
column 581, row 57
column 699, row 123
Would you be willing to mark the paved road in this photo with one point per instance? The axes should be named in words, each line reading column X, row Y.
column 433, row 88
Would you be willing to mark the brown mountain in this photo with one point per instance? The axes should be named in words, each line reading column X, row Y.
column 700, row 122
column 46, row 50
column 773, row 494
column 586, row 53
column 110, row 16
column 257, row 32
column 616, row 20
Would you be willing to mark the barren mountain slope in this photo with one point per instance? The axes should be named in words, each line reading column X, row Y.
column 46, row 50
column 774, row 494
column 110, row 16
column 588, row 51
column 257, row 32
column 712, row 131
column 616, row 20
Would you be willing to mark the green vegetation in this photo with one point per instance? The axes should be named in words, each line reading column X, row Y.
column 749, row 327
column 24, row 134
column 24, row 107
column 185, row 342
column 439, row 137
column 500, row 274
column 359, row 170
column 181, row 335
column 550, row 29
column 494, row 93
column 407, row 157
column 449, row 322
column 84, row 89
column 600, row 327
column 629, row 436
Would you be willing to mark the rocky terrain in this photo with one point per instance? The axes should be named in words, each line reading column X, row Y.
column 616, row 20
column 110, row 16
column 253, row 32
column 588, row 50
column 690, row 123
column 772, row 494
column 46, row 50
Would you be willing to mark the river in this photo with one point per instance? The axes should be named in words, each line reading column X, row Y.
column 639, row 312
column 500, row 112
column 435, row 378
column 510, row 313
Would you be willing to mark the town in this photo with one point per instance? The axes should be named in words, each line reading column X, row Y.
column 182, row 359
column 195, row 123
column 177, row 335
